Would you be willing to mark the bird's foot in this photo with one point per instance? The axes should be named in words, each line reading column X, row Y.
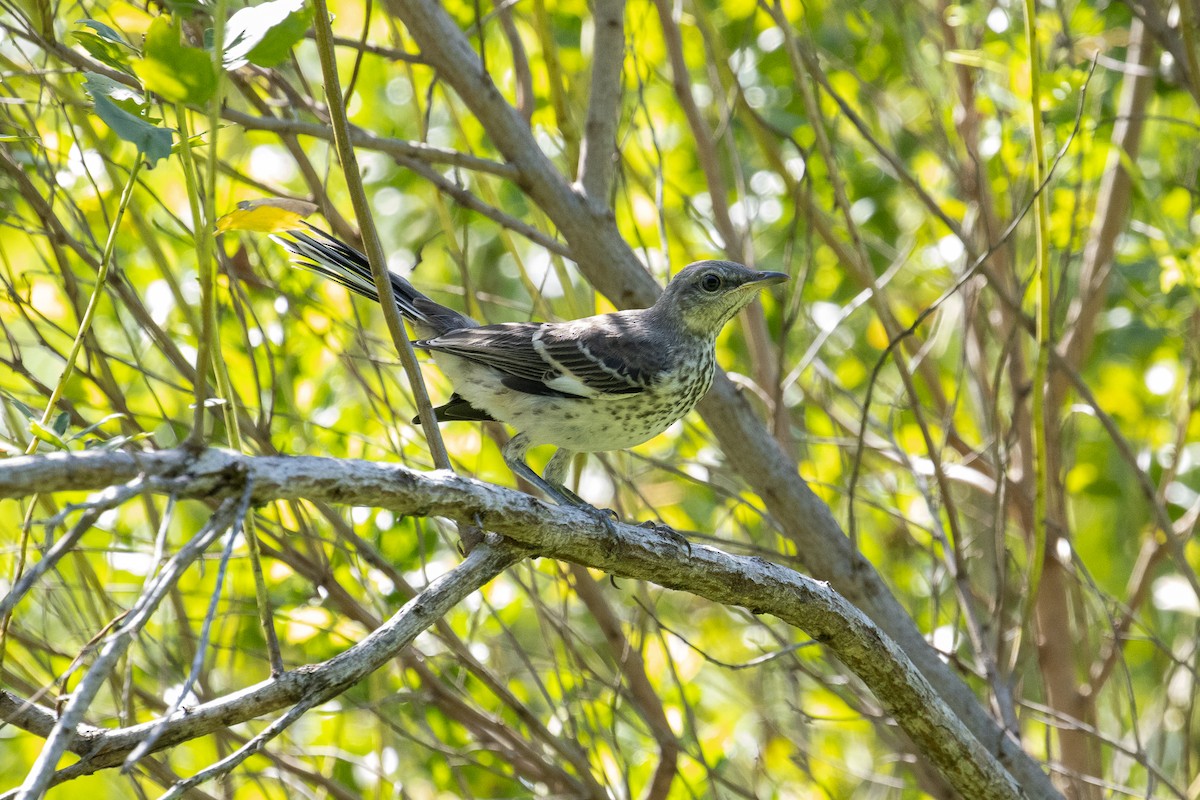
column 605, row 516
column 667, row 531
column 609, row 518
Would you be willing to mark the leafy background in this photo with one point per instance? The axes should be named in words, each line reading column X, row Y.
column 843, row 141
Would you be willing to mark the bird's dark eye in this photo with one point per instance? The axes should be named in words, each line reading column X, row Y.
column 710, row 282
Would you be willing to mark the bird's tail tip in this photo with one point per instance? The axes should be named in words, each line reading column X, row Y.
column 315, row 250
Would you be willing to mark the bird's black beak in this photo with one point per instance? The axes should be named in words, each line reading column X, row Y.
column 768, row 278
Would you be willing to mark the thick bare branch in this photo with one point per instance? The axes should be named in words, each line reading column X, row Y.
column 570, row 534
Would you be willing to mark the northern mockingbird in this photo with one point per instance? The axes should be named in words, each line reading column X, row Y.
column 599, row 383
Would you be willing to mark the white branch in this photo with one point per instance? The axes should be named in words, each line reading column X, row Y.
column 565, row 533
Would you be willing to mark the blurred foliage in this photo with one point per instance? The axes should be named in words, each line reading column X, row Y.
column 821, row 181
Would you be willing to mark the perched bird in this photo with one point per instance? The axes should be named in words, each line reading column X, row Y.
column 599, row 383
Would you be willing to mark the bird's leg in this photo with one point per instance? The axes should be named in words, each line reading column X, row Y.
column 514, row 457
column 552, row 483
column 555, row 474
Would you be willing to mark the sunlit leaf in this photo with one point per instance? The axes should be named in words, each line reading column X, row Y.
column 173, row 70
column 96, row 425
column 265, row 33
column 47, row 435
column 273, row 215
column 105, row 44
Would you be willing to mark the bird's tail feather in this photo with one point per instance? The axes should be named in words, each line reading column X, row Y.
column 319, row 252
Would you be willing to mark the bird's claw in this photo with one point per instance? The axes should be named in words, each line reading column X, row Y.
column 609, row 518
column 606, row 516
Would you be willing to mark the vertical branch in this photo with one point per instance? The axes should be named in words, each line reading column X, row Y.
column 597, row 156
column 1043, row 304
column 520, row 62
column 1187, row 33
column 208, row 349
column 370, row 236
column 1048, row 582
column 706, row 148
column 1112, row 202
column 645, row 697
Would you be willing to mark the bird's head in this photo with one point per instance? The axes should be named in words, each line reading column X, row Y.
column 707, row 294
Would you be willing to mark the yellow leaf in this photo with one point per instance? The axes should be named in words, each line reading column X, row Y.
column 272, row 215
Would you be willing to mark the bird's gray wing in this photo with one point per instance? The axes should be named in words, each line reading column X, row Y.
column 609, row 354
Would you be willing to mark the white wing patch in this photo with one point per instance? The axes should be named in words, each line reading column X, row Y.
column 569, row 384
column 565, row 381
column 585, row 371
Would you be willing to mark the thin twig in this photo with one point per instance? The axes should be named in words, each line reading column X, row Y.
column 370, row 236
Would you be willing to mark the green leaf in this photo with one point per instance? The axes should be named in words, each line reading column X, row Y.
column 62, row 422
column 174, row 71
column 46, row 434
column 278, row 42
column 131, row 99
column 264, row 34
column 151, row 141
column 105, row 45
column 95, row 425
column 25, row 410
column 105, row 31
